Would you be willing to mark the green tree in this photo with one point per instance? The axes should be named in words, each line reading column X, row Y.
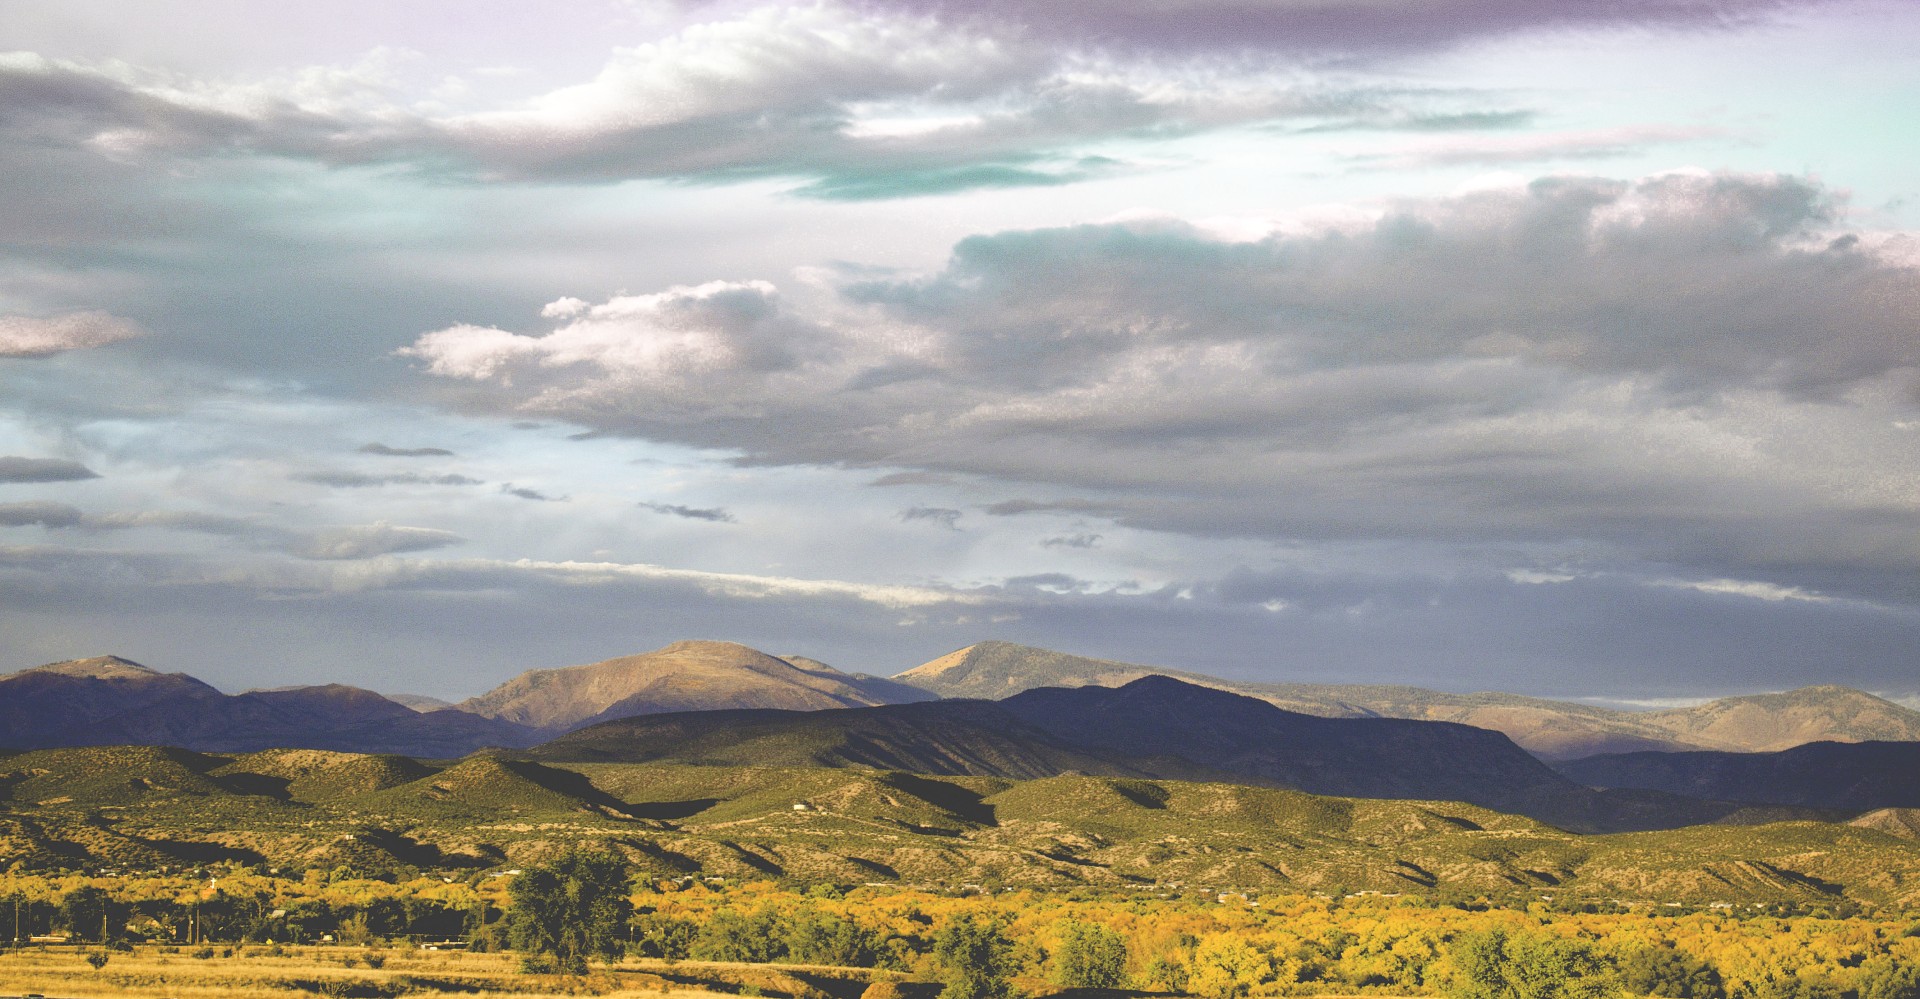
column 975, row 958
column 91, row 914
column 1091, row 956
column 1672, row 974
column 571, row 910
column 1494, row 964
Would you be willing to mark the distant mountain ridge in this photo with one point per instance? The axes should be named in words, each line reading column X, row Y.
column 1555, row 730
column 108, row 700
column 683, row 676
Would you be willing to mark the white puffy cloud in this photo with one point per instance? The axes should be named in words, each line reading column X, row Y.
column 31, row 336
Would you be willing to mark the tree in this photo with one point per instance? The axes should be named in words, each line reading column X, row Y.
column 1493, row 964
column 1671, row 974
column 92, row 914
column 1226, row 966
column 1091, row 956
column 975, row 958
column 1888, row 979
column 571, row 910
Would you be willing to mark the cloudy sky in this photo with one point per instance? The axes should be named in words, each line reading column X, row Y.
column 1570, row 349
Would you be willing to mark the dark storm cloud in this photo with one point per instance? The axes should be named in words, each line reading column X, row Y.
column 14, row 468
column 404, row 452
column 714, row 514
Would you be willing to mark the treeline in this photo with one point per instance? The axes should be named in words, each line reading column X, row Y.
column 586, row 909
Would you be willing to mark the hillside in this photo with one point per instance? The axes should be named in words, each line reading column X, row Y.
column 109, row 701
column 1767, row 722
column 684, row 676
column 1553, row 730
column 1152, row 727
column 146, row 809
column 1854, row 776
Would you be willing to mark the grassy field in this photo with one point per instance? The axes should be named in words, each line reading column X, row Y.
column 259, row 972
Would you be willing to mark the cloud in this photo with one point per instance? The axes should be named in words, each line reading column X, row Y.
column 913, row 479
column 28, row 336
column 361, row 480
column 14, row 468
column 1501, row 150
column 39, row 512
column 404, row 452
column 529, row 494
column 944, row 517
column 852, row 100
column 1072, row 541
column 1705, row 370
column 369, row 540
column 1338, row 26
column 714, row 514
column 1017, row 507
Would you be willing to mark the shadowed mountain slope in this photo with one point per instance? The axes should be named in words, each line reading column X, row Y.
column 684, row 676
column 1550, row 729
column 1835, row 775
column 112, row 701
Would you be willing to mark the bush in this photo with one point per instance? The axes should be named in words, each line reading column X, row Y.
column 97, row 959
column 1091, row 956
column 203, row 954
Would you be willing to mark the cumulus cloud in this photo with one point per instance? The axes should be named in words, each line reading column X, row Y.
column 404, row 452
column 39, row 512
column 29, row 336
column 717, row 515
column 362, row 541
column 14, row 468
column 1700, row 367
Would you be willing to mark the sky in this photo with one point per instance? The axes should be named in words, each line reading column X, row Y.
column 1563, row 349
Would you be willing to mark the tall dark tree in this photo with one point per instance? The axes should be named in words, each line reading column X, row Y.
column 976, row 959
column 570, row 911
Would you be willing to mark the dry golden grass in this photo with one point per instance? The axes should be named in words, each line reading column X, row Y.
column 253, row 973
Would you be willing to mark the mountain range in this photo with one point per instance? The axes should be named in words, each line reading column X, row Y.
column 1554, row 730
column 1153, row 727
column 720, row 703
